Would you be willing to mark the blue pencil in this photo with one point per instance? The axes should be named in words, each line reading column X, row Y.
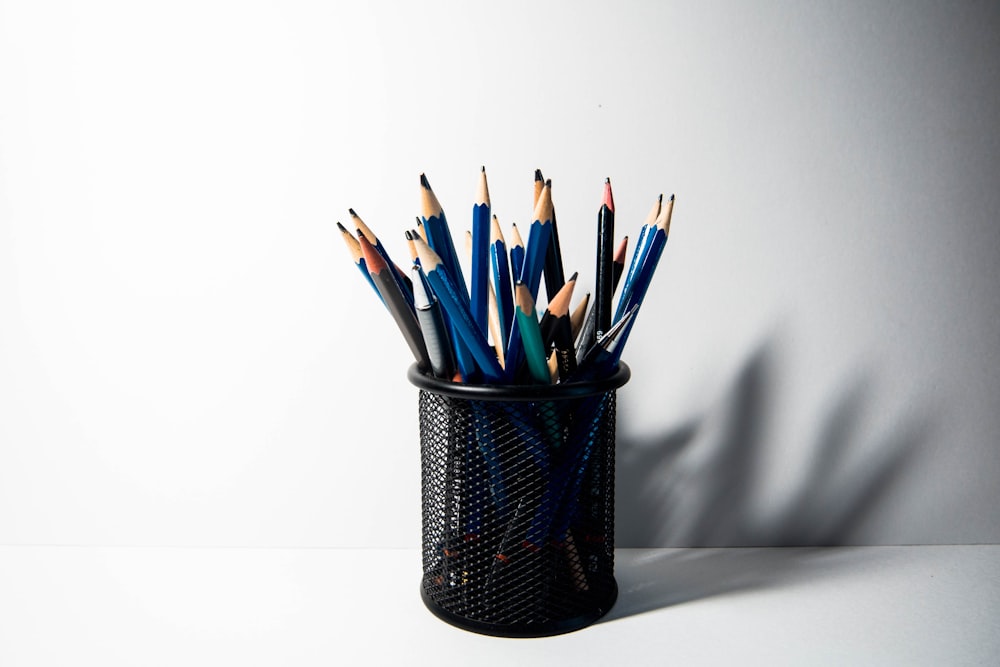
column 555, row 278
column 641, row 246
column 458, row 313
column 439, row 239
column 644, row 274
column 501, row 280
column 538, row 243
column 481, row 255
column 439, row 235
column 359, row 259
column 401, row 280
column 516, row 253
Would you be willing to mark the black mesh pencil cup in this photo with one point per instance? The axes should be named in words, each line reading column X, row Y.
column 517, row 488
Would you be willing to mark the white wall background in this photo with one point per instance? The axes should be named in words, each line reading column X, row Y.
column 188, row 357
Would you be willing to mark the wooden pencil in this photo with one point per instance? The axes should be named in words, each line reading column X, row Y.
column 501, row 279
column 405, row 288
column 480, row 263
column 354, row 248
column 439, row 239
column 553, row 271
column 605, row 241
column 531, row 335
column 409, row 234
column 618, row 263
column 538, row 242
column 458, row 313
column 557, row 331
column 579, row 313
column 393, row 298
column 516, row 253
column 438, row 235
column 654, row 249
column 638, row 254
column 557, row 307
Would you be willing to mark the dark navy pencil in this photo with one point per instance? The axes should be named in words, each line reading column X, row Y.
column 658, row 239
column 539, row 236
column 641, row 246
column 603, row 271
column 439, row 239
column 555, row 278
column 481, row 254
column 516, row 253
column 501, row 280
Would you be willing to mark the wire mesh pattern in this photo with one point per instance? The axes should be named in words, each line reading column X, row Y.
column 518, row 511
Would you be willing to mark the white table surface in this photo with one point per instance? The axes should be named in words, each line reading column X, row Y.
column 916, row 605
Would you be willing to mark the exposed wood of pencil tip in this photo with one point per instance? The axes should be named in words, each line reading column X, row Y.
column 559, row 305
column 429, row 259
column 522, row 298
column 579, row 314
column 663, row 219
column 515, row 236
column 619, row 257
column 373, row 259
column 409, row 243
column 543, row 209
column 496, row 234
column 362, row 228
column 352, row 243
column 483, row 190
column 654, row 212
column 429, row 203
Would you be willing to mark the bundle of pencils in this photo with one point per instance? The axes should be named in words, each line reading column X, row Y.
column 487, row 330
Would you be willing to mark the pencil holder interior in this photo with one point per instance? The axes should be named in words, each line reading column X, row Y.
column 517, row 490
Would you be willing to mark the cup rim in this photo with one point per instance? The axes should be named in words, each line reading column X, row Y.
column 519, row 392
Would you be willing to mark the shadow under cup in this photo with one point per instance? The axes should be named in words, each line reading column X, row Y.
column 517, row 490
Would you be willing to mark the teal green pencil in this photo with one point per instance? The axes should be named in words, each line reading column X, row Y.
column 531, row 334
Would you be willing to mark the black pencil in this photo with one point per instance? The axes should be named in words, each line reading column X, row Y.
column 558, row 307
column 605, row 240
column 553, row 271
column 557, row 331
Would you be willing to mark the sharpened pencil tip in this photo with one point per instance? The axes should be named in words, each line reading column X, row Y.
column 573, row 277
column 483, row 168
column 423, row 181
column 351, row 211
column 408, row 234
column 341, row 227
column 538, row 175
column 671, row 197
column 608, row 200
column 607, row 179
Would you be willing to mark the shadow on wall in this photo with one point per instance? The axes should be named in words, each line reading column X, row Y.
column 688, row 489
